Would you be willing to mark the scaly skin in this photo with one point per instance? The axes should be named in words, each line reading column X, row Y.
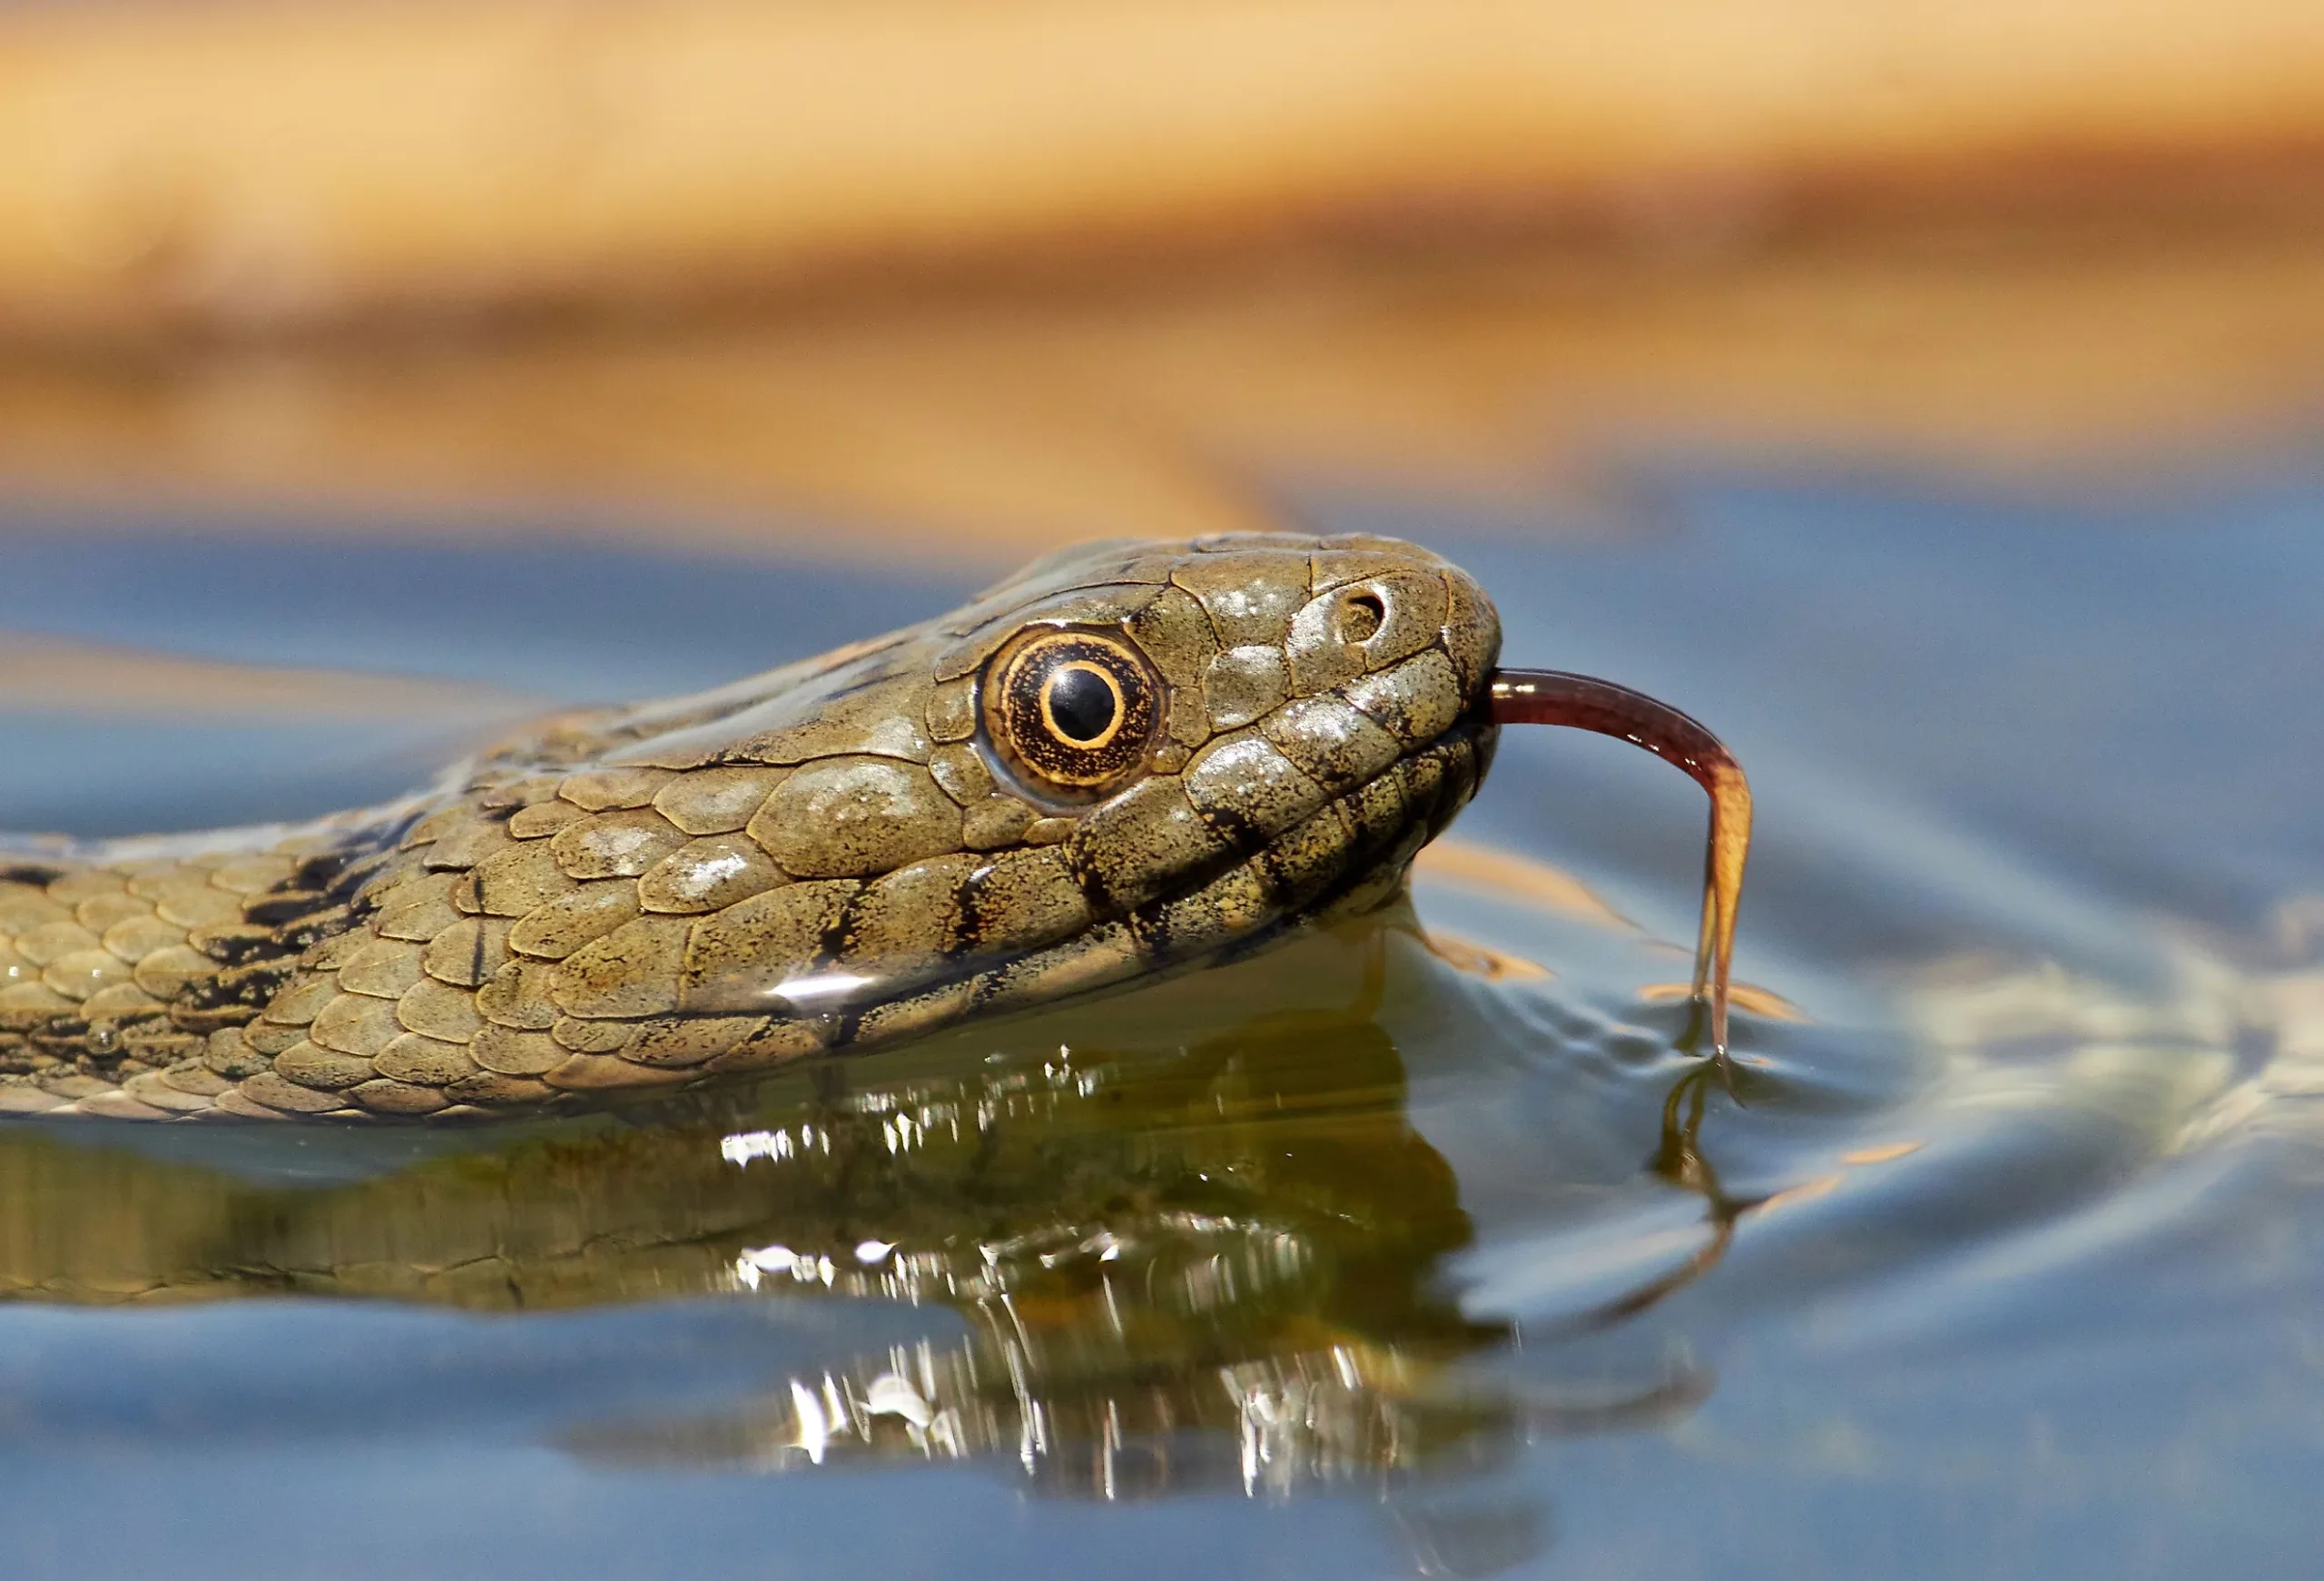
column 830, row 855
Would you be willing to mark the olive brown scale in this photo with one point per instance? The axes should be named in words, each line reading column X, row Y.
column 1130, row 757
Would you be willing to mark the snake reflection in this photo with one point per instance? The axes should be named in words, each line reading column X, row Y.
column 1182, row 1264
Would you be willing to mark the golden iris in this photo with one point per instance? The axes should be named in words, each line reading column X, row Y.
column 1071, row 710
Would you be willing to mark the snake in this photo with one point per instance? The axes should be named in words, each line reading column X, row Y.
column 1130, row 758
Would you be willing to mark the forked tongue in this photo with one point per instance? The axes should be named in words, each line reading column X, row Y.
column 1555, row 697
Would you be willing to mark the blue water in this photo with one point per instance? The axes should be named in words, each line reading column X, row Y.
column 2037, row 782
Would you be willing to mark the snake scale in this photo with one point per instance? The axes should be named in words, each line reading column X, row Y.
column 1132, row 758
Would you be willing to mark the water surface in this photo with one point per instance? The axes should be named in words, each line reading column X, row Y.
column 1417, row 1248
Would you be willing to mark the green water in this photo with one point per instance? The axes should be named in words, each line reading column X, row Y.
column 1358, row 1259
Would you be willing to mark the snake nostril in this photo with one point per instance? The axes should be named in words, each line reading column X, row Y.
column 1362, row 616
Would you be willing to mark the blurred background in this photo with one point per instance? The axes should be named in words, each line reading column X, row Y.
column 1928, row 396
column 968, row 277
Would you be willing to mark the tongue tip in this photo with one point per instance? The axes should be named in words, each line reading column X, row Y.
column 1557, row 697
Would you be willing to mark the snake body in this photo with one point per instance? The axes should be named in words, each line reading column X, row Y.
column 1130, row 757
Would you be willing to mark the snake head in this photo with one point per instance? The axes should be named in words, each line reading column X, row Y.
column 1129, row 757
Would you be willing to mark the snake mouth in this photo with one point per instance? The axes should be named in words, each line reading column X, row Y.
column 1352, row 851
column 1348, row 854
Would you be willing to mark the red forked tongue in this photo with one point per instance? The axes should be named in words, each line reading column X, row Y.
column 1555, row 697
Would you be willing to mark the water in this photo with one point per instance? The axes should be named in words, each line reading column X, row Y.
column 1413, row 1248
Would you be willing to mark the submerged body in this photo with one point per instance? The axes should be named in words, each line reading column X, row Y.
column 1129, row 758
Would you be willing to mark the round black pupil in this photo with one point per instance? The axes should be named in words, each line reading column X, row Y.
column 1081, row 703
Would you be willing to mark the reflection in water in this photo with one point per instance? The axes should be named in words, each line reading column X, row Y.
column 1184, row 1276
column 1241, row 1297
column 1206, row 1257
column 1679, row 1161
column 2018, row 1254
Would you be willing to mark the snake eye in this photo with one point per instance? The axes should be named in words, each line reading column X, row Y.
column 1071, row 710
